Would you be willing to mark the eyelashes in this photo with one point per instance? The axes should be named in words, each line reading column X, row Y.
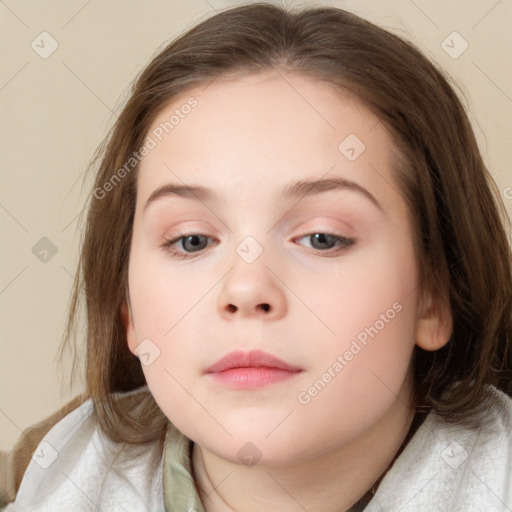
column 324, row 238
column 195, row 242
column 168, row 245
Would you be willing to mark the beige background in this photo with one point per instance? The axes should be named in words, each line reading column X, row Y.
column 55, row 111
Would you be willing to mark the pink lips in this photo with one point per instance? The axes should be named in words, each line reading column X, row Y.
column 245, row 370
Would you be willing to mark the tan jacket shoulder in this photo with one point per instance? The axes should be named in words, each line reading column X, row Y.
column 14, row 462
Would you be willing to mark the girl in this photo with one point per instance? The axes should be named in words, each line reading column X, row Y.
column 297, row 284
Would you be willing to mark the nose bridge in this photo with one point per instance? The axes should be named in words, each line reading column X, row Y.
column 250, row 249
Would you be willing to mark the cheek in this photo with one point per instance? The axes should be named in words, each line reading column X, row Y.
column 365, row 292
column 358, row 375
column 173, row 342
column 371, row 313
column 162, row 297
column 162, row 305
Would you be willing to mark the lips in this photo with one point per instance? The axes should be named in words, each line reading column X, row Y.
column 252, row 359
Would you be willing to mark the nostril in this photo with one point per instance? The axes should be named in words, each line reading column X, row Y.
column 232, row 308
column 265, row 307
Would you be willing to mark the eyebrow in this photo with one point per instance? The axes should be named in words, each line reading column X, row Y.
column 296, row 190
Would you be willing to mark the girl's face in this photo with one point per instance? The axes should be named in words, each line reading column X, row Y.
column 297, row 244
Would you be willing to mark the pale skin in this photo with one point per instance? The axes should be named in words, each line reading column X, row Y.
column 247, row 138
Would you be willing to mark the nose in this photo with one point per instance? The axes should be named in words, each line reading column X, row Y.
column 252, row 290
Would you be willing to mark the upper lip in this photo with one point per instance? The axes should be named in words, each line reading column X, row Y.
column 252, row 359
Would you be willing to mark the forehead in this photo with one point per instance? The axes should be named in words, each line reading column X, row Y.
column 254, row 134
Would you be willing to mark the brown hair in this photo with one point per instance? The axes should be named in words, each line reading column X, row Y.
column 462, row 248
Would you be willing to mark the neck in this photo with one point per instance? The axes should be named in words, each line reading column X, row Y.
column 352, row 469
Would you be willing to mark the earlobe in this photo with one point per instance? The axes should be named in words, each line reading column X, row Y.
column 435, row 326
column 127, row 316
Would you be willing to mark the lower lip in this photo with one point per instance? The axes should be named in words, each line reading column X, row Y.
column 250, row 378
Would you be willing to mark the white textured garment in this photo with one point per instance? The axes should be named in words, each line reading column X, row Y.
column 71, row 470
column 442, row 469
column 453, row 468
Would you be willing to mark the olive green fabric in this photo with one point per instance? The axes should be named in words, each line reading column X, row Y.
column 180, row 492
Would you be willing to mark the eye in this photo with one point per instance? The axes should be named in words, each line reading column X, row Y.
column 324, row 242
column 194, row 243
column 189, row 244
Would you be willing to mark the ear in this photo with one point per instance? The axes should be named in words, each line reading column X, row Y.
column 435, row 324
column 131, row 337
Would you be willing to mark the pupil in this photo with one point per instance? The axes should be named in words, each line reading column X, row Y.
column 323, row 238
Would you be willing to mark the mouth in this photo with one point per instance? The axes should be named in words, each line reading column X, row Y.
column 246, row 370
